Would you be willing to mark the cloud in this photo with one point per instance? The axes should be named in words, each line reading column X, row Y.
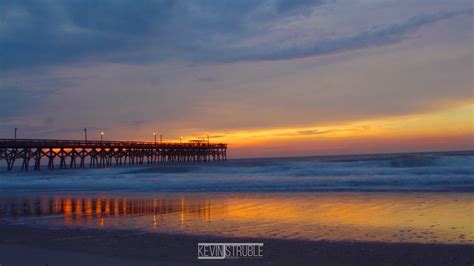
column 385, row 35
column 16, row 99
column 35, row 33
column 25, row 94
column 206, row 79
column 217, row 136
column 42, row 33
column 308, row 132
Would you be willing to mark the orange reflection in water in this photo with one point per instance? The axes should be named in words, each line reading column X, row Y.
column 390, row 217
column 116, row 207
column 88, row 208
column 98, row 207
column 67, row 207
column 107, row 207
column 79, row 208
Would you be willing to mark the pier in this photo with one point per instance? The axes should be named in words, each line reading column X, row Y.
column 64, row 154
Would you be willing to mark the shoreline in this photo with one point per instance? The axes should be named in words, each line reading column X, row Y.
column 66, row 246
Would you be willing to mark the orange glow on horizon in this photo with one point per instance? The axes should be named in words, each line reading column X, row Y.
column 439, row 130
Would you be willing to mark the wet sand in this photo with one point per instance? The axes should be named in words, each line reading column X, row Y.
column 381, row 217
column 25, row 245
column 90, row 228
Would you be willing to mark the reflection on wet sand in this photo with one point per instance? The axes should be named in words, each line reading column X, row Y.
column 391, row 217
column 80, row 210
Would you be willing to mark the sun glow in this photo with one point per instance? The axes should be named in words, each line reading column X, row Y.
column 441, row 127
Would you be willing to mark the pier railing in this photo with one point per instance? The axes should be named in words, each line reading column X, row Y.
column 33, row 143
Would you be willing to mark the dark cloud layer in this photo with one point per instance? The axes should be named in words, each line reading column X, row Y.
column 42, row 33
column 48, row 32
column 38, row 33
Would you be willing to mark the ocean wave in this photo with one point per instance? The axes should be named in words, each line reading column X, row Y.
column 408, row 172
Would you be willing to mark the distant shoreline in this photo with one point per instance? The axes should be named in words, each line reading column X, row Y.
column 387, row 154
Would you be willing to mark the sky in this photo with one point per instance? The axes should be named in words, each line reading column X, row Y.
column 268, row 77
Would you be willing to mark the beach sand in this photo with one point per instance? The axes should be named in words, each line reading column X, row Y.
column 26, row 245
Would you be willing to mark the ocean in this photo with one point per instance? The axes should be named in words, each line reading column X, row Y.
column 442, row 171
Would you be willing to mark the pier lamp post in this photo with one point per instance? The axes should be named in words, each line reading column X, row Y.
column 102, row 136
column 161, row 138
column 154, row 135
column 85, row 134
column 16, row 129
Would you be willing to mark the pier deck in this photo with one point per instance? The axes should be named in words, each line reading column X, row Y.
column 94, row 154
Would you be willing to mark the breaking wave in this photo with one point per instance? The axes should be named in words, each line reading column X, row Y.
column 394, row 172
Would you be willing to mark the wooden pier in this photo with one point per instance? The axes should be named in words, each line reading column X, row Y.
column 94, row 154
